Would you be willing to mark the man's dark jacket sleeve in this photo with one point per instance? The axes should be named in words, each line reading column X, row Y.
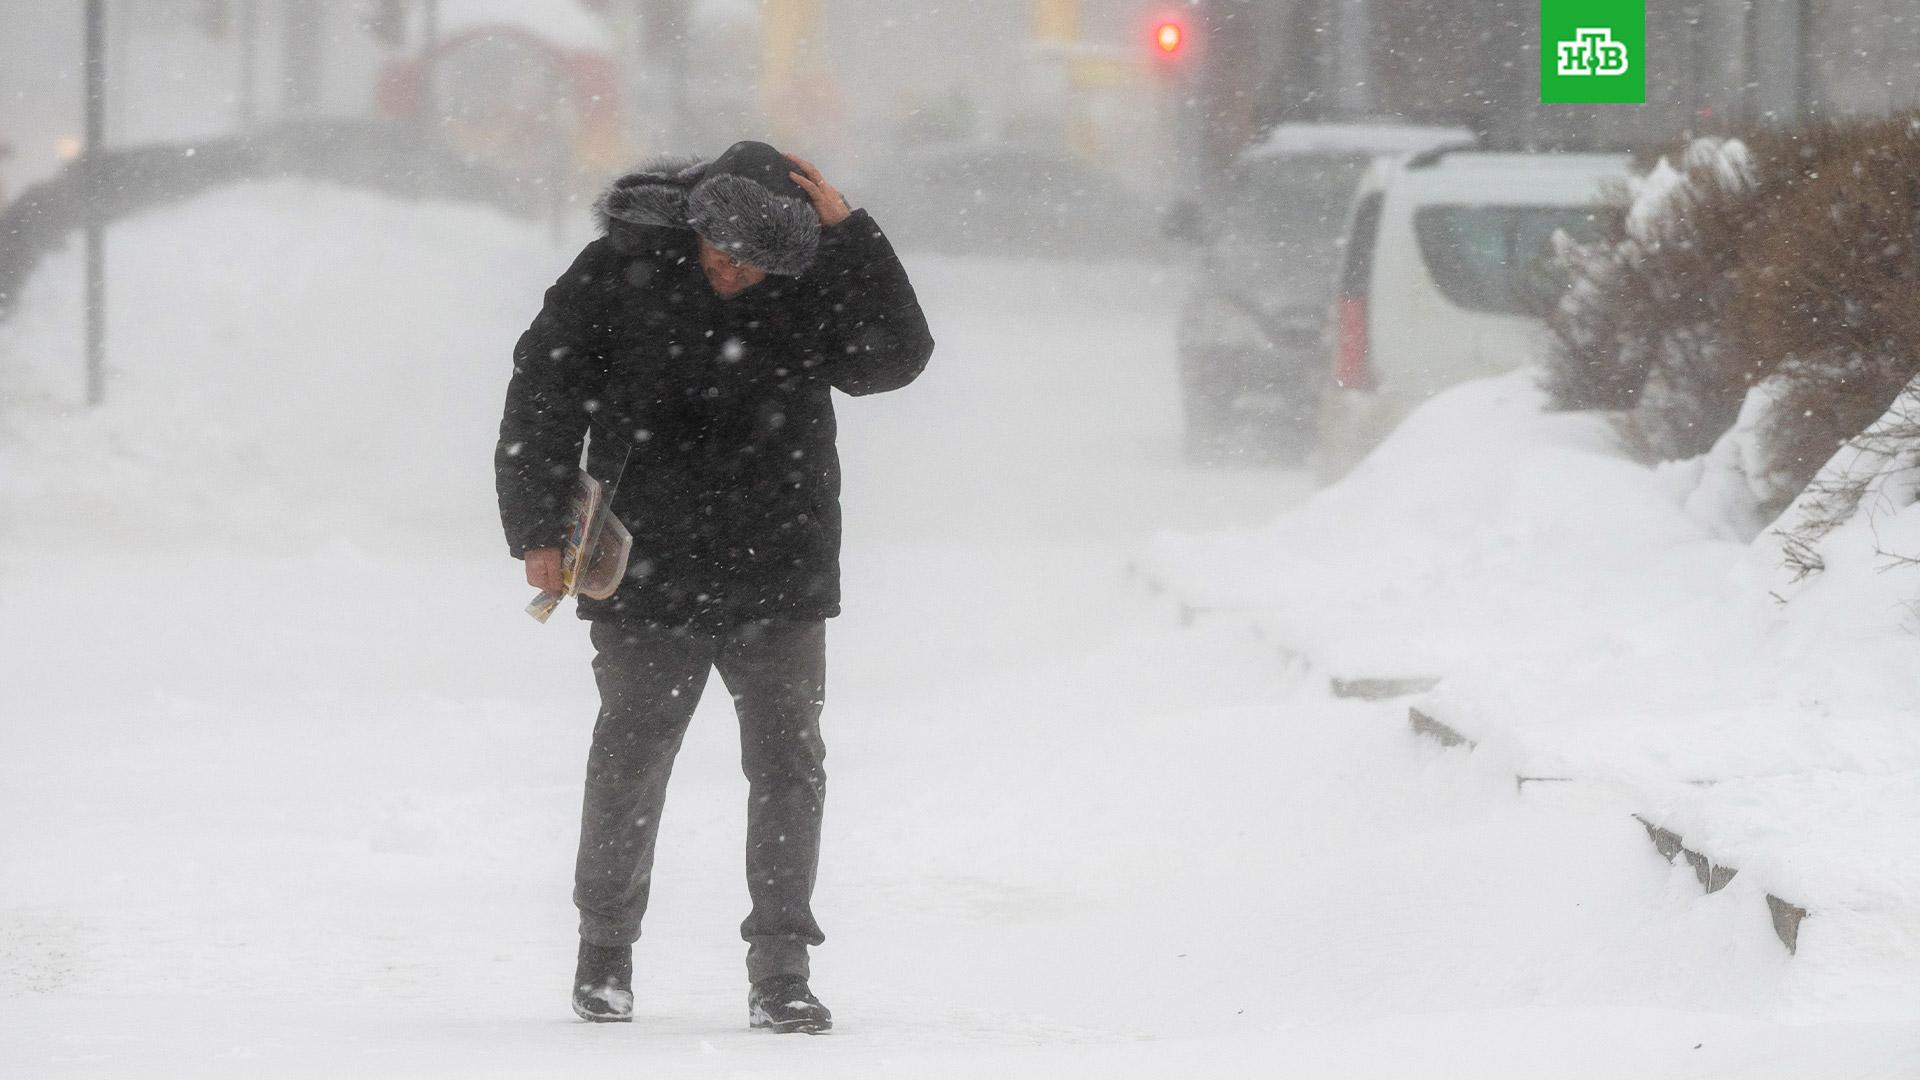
column 559, row 365
column 872, row 334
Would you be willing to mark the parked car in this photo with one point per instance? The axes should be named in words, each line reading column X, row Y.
column 1446, row 276
column 1008, row 199
column 1251, row 354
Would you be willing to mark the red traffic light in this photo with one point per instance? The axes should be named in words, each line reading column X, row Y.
column 1168, row 37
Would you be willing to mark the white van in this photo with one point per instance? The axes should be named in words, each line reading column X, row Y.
column 1267, row 229
column 1444, row 277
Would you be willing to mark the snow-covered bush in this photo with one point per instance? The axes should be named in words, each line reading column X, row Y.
column 1732, row 488
column 1870, row 482
column 1829, row 300
column 1785, row 265
column 1642, row 328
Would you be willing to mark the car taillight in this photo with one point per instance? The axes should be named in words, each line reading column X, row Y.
column 1352, row 368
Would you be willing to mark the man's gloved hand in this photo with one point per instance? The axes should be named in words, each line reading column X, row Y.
column 543, row 568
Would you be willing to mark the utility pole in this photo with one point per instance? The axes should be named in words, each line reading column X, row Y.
column 429, row 41
column 303, row 38
column 665, row 24
column 1803, row 101
column 249, row 40
column 92, row 163
column 790, row 49
column 1353, row 62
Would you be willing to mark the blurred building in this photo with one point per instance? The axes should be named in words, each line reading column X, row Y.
column 1711, row 65
column 191, row 69
column 1081, row 76
column 853, row 81
column 1084, row 73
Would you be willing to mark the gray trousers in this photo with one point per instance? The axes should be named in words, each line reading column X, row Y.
column 650, row 679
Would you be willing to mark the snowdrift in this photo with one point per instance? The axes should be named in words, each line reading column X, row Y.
column 344, row 413
column 1484, row 526
column 1592, row 621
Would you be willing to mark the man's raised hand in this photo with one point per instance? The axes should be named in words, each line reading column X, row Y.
column 827, row 200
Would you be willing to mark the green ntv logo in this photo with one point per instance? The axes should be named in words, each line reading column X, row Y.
column 1593, row 50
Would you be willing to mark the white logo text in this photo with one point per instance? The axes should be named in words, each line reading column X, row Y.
column 1593, row 52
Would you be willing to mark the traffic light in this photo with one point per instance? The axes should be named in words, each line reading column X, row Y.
column 214, row 17
column 387, row 22
column 1169, row 36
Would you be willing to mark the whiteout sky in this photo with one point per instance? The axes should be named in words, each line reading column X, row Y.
column 291, row 783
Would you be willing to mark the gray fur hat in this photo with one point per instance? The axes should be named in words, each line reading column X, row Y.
column 742, row 202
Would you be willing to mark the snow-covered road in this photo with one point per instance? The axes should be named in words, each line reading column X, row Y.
column 290, row 784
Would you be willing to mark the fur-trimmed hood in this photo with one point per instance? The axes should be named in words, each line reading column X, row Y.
column 741, row 202
column 655, row 194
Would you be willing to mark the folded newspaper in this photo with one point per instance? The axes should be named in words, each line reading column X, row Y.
column 593, row 561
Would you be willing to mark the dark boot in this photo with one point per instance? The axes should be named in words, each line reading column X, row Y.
column 603, row 984
column 782, row 1003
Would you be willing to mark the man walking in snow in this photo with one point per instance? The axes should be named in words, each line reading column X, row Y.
column 701, row 337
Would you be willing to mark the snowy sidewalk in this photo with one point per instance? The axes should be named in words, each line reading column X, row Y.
column 312, row 812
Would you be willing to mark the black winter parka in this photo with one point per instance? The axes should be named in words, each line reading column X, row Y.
column 732, row 486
